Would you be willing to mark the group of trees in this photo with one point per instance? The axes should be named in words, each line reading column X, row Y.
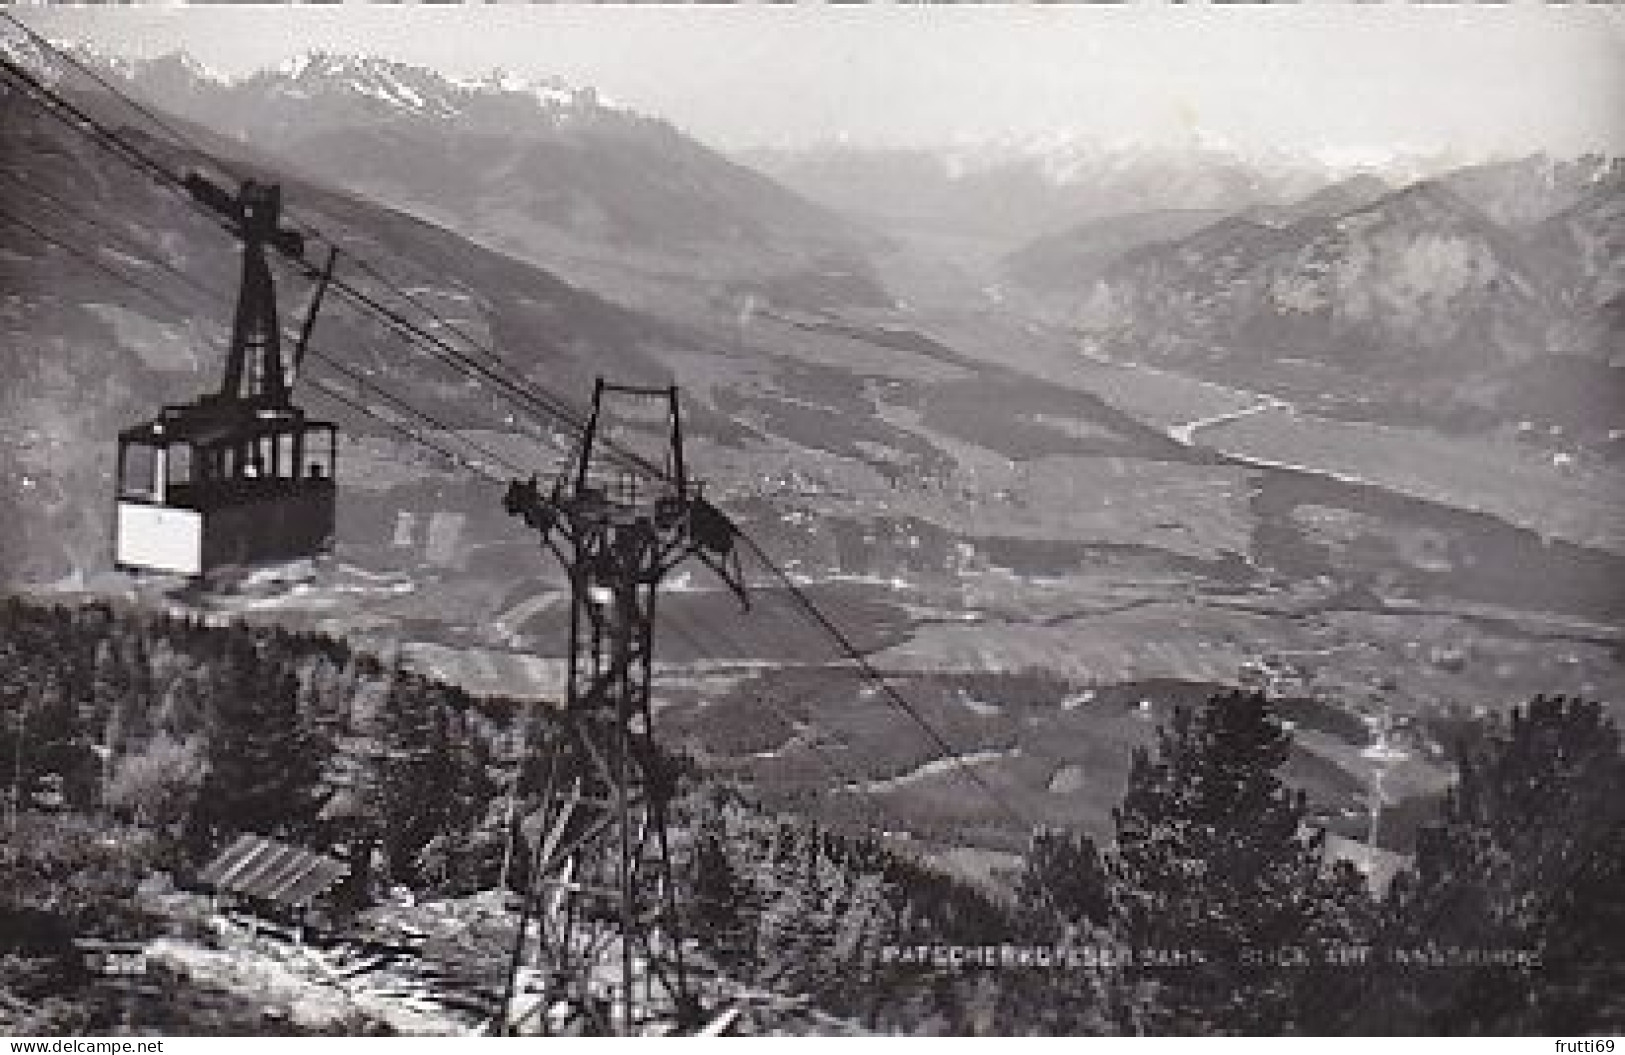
column 200, row 732
column 1218, row 893
column 1215, row 896
column 785, row 904
column 1528, row 855
column 1217, row 908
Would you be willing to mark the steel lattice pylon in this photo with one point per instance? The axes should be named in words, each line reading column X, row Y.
column 601, row 888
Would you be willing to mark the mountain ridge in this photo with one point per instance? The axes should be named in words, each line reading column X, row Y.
column 1422, row 285
column 546, row 169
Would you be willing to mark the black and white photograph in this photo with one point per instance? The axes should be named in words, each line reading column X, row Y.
column 812, row 519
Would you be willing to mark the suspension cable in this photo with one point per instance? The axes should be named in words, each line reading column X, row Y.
column 173, row 305
column 547, row 407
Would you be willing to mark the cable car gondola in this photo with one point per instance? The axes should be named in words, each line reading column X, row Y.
column 239, row 476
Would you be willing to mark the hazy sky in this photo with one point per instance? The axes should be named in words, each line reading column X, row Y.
column 1349, row 80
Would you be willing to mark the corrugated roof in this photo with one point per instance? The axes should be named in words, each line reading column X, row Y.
column 273, row 871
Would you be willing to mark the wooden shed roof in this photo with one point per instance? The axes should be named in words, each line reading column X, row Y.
column 273, row 871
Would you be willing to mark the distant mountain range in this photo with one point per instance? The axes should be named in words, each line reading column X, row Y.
column 540, row 168
column 1065, row 262
column 92, row 352
column 950, row 511
column 778, row 381
column 1454, row 293
column 1466, row 297
column 1025, row 189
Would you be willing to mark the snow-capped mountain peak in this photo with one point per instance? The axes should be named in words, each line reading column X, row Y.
column 416, row 90
column 336, row 88
column 187, row 64
column 25, row 53
column 548, row 92
column 395, row 85
column 53, row 69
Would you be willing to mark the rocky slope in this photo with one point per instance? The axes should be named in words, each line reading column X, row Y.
column 1442, row 292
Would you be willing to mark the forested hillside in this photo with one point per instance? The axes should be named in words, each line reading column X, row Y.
column 138, row 744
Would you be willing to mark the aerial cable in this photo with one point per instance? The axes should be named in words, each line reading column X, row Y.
column 561, row 407
column 53, row 103
column 546, row 407
column 517, row 393
column 355, row 376
column 76, row 117
column 89, row 259
column 827, row 760
column 856, row 656
column 488, row 363
column 552, row 406
column 330, row 360
column 77, row 211
column 175, row 306
column 331, row 392
column 180, row 137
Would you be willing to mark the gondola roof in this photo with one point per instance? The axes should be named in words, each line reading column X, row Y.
column 214, row 422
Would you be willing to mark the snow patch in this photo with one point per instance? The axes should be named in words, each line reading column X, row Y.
column 982, row 708
column 936, row 767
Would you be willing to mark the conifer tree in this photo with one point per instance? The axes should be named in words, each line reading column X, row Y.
column 1062, row 888
column 722, row 898
column 1526, row 866
column 123, row 689
column 264, row 763
column 415, row 781
column 1215, row 877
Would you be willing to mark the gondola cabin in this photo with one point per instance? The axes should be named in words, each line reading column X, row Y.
column 239, row 476
column 208, row 485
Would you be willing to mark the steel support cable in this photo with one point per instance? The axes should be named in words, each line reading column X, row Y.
column 543, row 403
column 549, row 405
column 562, row 409
column 78, row 119
column 525, row 394
column 77, row 212
column 485, row 360
column 521, row 395
column 138, row 159
column 328, row 389
column 855, row 655
column 354, row 375
column 170, row 303
column 485, row 363
column 87, row 258
column 40, row 40
column 151, row 115
column 53, row 104
column 358, row 378
column 157, row 119
column 322, row 356
column 173, row 305
column 826, row 759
